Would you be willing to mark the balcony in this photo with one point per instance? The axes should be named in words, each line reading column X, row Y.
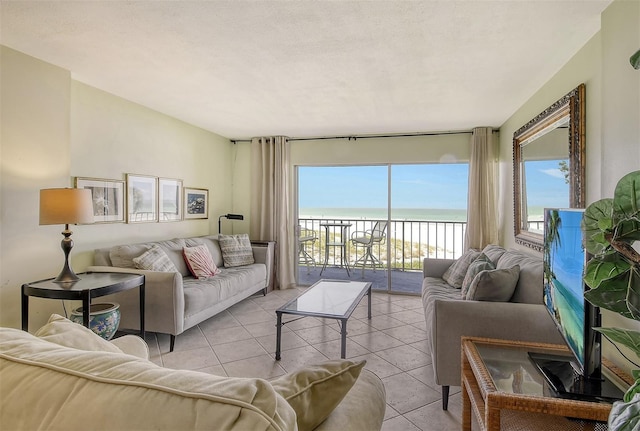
column 406, row 244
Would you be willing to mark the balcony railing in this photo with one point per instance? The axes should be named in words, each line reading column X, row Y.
column 406, row 244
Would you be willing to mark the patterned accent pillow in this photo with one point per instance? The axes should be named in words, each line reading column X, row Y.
column 481, row 263
column 200, row 261
column 455, row 274
column 495, row 285
column 155, row 259
column 236, row 250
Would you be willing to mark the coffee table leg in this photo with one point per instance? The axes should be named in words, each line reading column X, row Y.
column 142, row 307
column 278, row 335
column 369, row 295
column 343, row 346
column 25, row 311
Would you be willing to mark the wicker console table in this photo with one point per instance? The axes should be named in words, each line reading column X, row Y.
column 504, row 391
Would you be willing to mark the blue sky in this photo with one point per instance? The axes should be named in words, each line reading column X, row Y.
column 414, row 186
column 442, row 186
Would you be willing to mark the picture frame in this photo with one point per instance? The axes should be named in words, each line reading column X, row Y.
column 142, row 198
column 169, row 199
column 196, row 203
column 108, row 198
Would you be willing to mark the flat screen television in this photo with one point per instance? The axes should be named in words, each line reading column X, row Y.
column 564, row 257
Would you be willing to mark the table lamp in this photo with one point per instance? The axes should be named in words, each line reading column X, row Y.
column 66, row 206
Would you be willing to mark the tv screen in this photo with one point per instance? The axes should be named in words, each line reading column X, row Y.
column 564, row 263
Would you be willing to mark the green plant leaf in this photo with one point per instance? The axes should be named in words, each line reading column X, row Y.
column 625, row 416
column 598, row 220
column 612, row 295
column 632, row 391
column 626, row 337
column 626, row 208
column 601, row 270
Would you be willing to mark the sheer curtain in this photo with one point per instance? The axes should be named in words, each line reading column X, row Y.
column 271, row 210
column 482, row 204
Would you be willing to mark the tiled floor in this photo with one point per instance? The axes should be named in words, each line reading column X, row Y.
column 241, row 342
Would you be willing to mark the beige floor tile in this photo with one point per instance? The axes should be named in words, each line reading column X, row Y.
column 220, row 321
column 379, row 366
column 290, row 340
column 404, row 357
column 432, row 418
column 263, row 367
column 384, row 321
column 254, row 316
column 376, row 341
column 410, row 316
column 193, row 359
column 398, row 423
column 216, row 370
column 262, row 329
column 295, row 322
column 294, row 359
column 409, row 303
column 425, row 375
column 390, row 412
column 405, row 393
column 192, row 338
column 385, row 308
column 237, row 350
column 318, row 334
column 244, row 306
column 226, row 335
column 332, row 349
column 407, row 333
column 424, row 346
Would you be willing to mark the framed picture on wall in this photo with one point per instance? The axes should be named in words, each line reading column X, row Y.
column 107, row 196
column 196, row 203
column 169, row 199
column 142, row 198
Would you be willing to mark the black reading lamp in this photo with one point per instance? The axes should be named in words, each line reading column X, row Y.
column 229, row 217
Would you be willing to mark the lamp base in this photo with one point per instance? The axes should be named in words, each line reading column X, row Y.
column 66, row 275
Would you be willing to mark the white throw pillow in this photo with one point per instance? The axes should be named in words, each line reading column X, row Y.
column 236, row 250
column 64, row 332
column 155, row 259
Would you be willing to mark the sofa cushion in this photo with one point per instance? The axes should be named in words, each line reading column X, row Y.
column 454, row 275
column 173, row 248
column 154, row 259
column 494, row 285
column 122, row 255
column 164, row 398
column 434, row 288
column 236, row 250
column 64, row 332
column 199, row 261
column 481, row 263
column 530, row 282
column 315, row 390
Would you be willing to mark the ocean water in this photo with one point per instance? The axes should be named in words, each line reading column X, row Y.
column 423, row 214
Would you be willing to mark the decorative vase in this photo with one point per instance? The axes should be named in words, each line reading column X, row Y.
column 103, row 318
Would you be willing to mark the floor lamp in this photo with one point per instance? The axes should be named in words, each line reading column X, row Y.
column 230, row 217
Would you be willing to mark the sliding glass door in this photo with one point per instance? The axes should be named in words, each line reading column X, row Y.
column 379, row 222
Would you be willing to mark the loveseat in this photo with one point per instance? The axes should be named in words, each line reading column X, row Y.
column 66, row 377
column 508, row 305
column 176, row 300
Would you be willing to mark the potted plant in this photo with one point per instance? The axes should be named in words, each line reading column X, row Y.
column 611, row 227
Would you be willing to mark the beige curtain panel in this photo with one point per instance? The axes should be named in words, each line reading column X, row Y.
column 482, row 205
column 271, row 203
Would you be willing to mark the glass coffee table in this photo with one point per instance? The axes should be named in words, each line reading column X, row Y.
column 329, row 299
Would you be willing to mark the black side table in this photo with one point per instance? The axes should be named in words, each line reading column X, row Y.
column 91, row 285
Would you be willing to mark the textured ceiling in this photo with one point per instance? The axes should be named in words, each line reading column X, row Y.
column 310, row 68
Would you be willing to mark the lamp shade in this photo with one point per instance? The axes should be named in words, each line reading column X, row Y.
column 66, row 206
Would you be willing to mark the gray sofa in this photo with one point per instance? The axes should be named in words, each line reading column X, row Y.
column 177, row 301
column 448, row 316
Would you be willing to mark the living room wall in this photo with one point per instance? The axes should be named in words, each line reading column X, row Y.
column 55, row 128
column 612, row 119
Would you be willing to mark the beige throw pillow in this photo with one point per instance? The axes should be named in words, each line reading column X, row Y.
column 314, row 391
column 236, row 250
column 495, row 285
column 454, row 275
column 64, row 332
column 481, row 263
column 155, row 259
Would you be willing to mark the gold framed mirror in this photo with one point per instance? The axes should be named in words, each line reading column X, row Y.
column 548, row 166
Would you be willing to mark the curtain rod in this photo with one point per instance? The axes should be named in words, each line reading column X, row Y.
column 354, row 137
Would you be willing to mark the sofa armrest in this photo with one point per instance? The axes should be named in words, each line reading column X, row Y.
column 503, row 320
column 435, row 267
column 132, row 345
column 164, row 301
column 264, row 252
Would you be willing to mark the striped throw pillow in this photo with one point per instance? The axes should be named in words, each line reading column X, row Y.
column 481, row 263
column 236, row 250
column 200, row 261
column 155, row 259
column 455, row 274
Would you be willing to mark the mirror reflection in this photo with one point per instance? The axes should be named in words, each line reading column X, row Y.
column 548, row 166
